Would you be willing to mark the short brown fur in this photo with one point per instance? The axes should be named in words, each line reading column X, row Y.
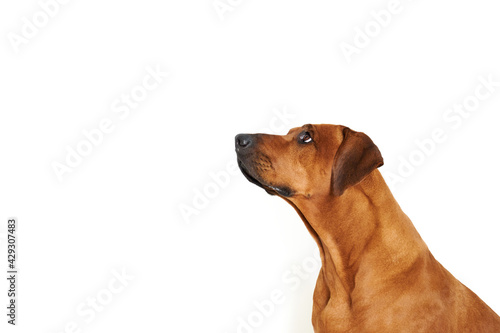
column 377, row 273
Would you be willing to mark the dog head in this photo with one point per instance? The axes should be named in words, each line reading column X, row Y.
column 309, row 161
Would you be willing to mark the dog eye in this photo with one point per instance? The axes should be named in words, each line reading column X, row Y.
column 305, row 137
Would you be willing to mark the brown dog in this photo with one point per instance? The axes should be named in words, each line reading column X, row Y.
column 377, row 274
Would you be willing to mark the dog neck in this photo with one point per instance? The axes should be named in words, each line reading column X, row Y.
column 346, row 229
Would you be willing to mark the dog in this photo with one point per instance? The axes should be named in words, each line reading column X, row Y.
column 377, row 274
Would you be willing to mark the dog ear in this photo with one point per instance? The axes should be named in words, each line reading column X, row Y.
column 356, row 157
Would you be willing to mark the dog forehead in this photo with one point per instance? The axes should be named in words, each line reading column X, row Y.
column 329, row 129
column 296, row 130
column 329, row 136
column 324, row 128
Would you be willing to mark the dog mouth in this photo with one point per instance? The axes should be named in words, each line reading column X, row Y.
column 270, row 189
column 251, row 178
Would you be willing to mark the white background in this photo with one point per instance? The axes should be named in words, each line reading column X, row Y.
column 120, row 207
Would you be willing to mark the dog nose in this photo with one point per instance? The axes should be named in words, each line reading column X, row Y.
column 243, row 141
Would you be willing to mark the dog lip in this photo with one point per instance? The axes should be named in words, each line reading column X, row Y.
column 247, row 174
column 272, row 190
column 253, row 180
column 283, row 191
